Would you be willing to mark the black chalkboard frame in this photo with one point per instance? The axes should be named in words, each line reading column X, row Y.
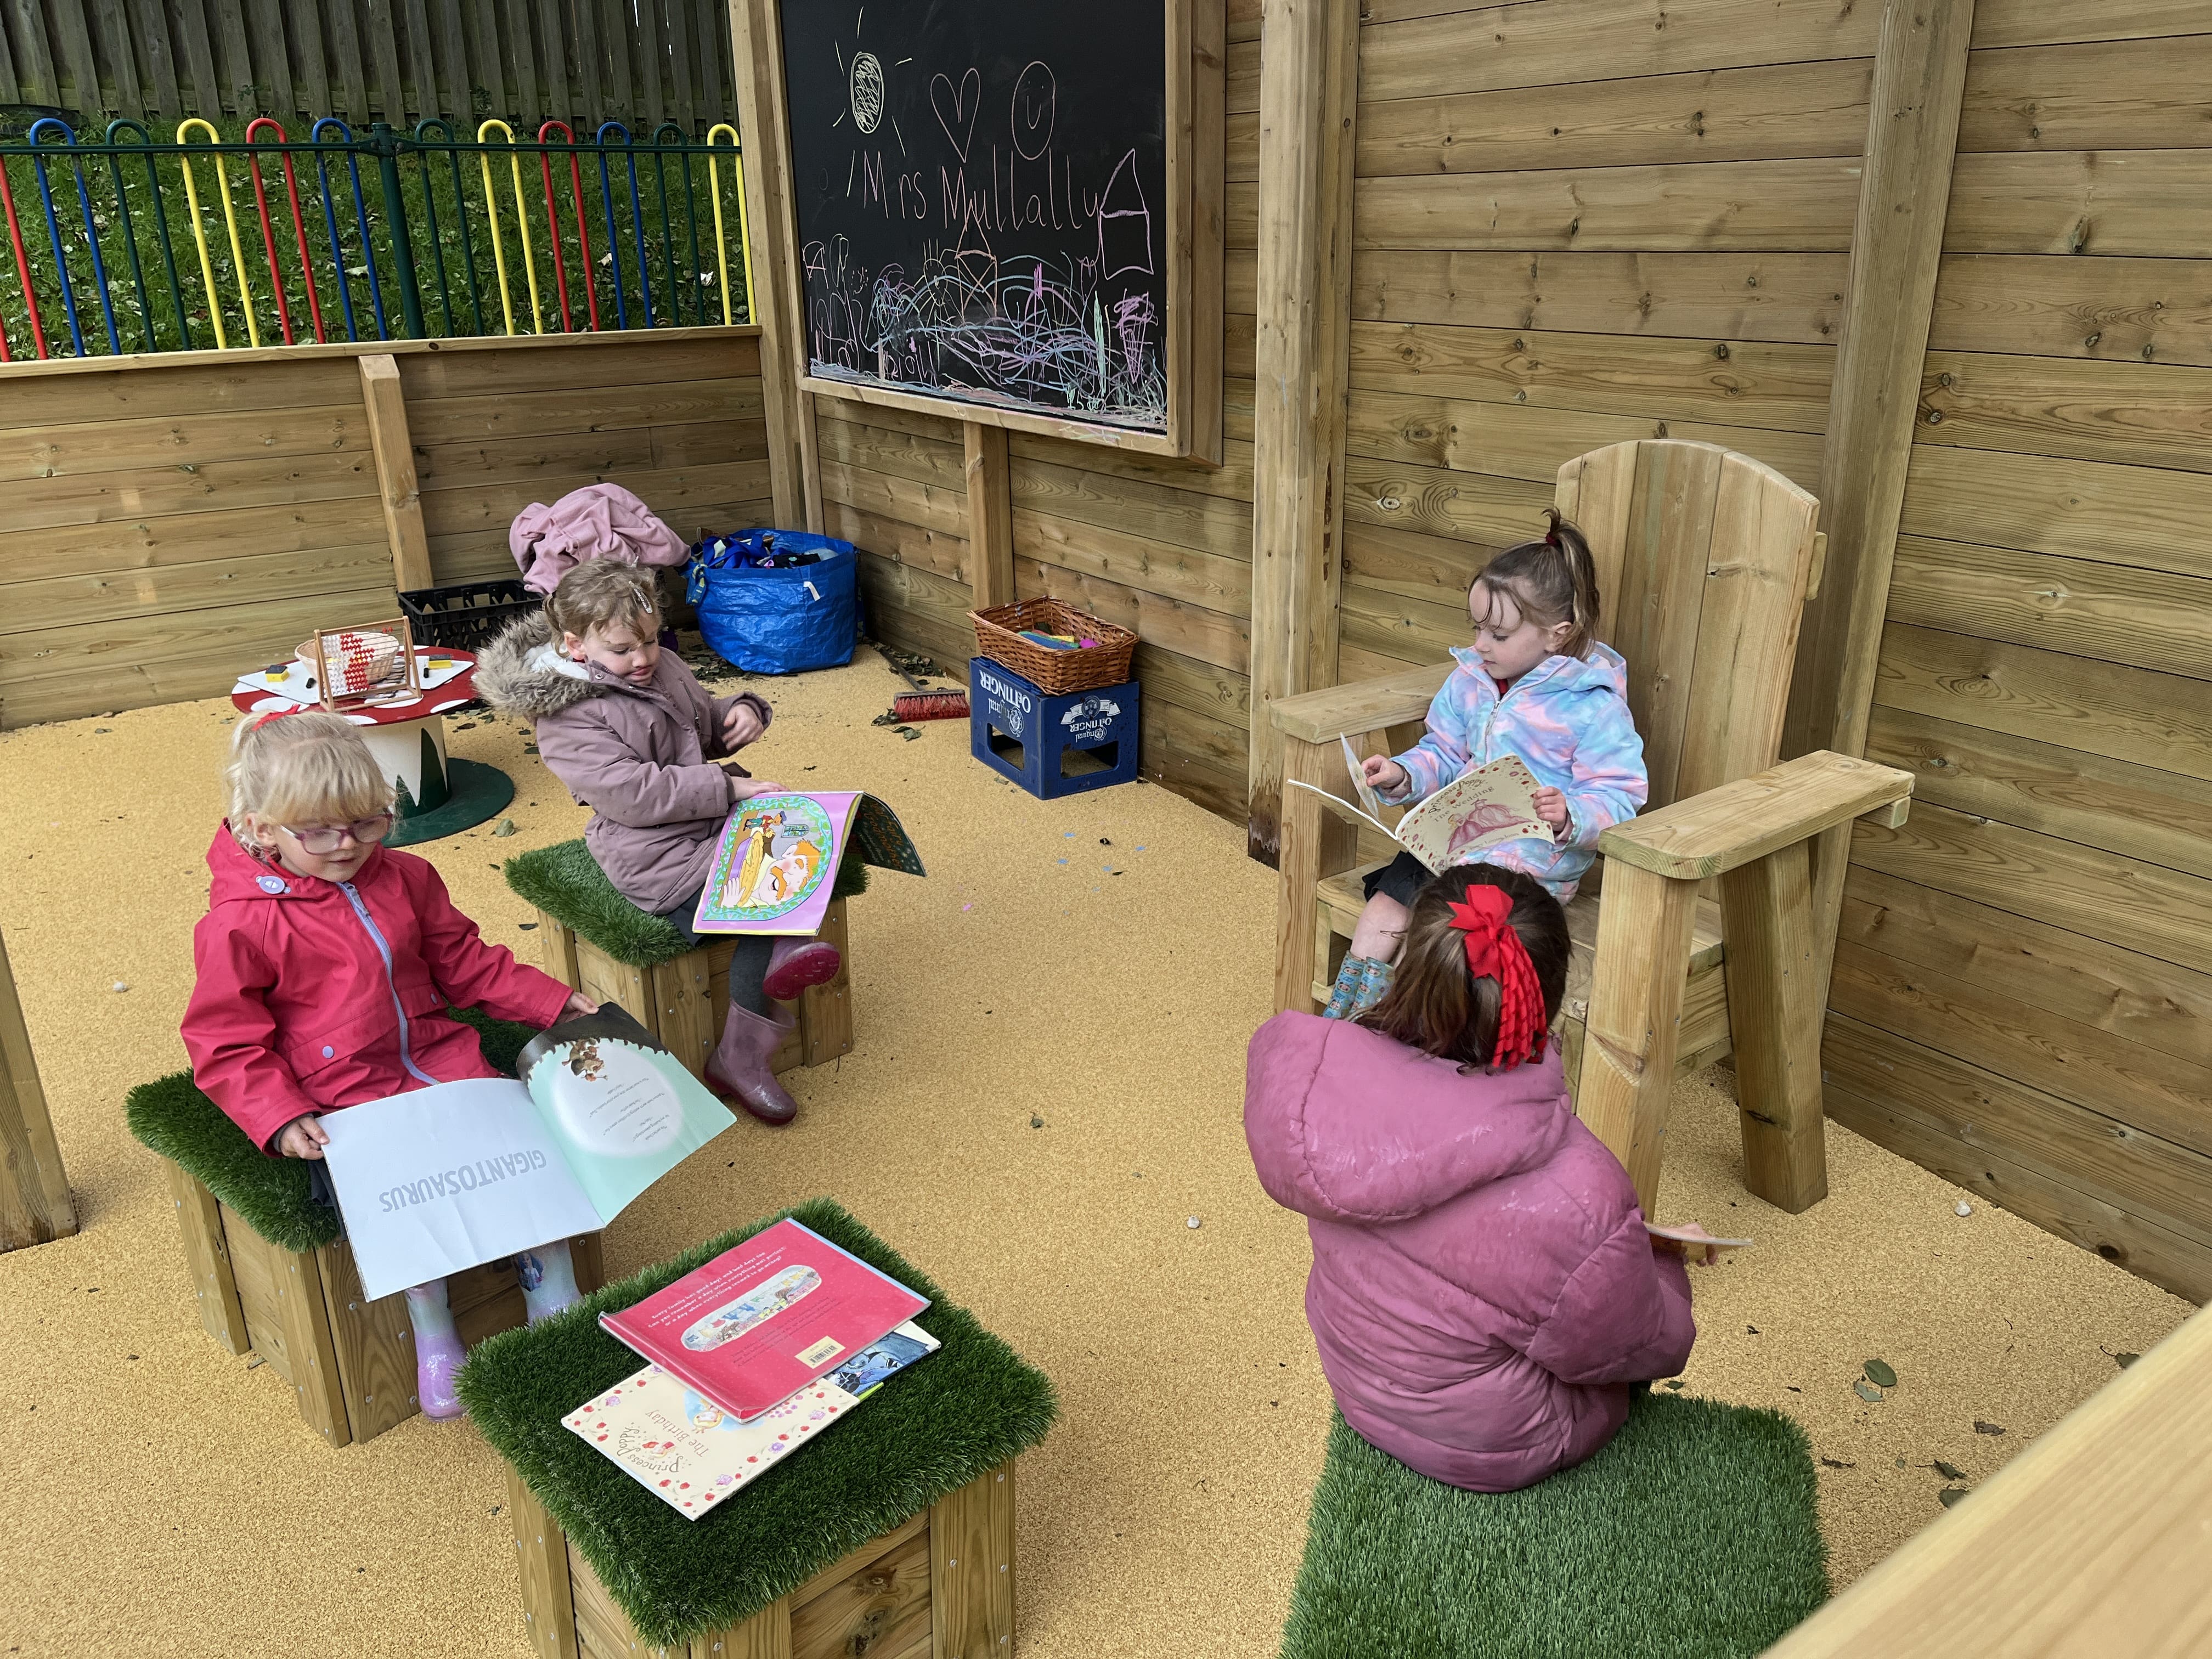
column 1196, row 165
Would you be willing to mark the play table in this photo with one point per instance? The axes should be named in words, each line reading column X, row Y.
column 892, row 1535
column 438, row 795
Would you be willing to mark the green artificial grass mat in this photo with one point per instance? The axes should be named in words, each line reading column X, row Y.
column 171, row 1117
column 1692, row 1536
column 962, row 1412
column 566, row 884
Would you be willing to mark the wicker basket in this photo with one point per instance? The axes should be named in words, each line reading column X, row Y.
column 998, row 636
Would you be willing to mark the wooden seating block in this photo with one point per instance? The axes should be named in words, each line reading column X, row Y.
column 350, row 1361
column 681, row 1001
column 940, row 1585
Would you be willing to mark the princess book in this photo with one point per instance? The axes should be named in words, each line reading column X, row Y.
column 691, row 1453
column 763, row 1320
column 777, row 860
column 1481, row 808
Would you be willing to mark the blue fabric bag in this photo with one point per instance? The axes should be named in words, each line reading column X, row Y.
column 769, row 621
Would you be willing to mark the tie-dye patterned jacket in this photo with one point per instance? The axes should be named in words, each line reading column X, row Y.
column 1568, row 718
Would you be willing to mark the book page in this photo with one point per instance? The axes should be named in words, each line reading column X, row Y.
column 1478, row 808
column 449, row 1177
column 774, row 865
column 620, row 1108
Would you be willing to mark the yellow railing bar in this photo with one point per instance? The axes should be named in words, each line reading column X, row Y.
column 199, row 235
column 521, row 228
column 745, row 237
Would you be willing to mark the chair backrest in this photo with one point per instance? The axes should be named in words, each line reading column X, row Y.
column 1703, row 557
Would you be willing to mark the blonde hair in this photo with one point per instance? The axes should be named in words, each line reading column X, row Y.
column 602, row 593
column 302, row 768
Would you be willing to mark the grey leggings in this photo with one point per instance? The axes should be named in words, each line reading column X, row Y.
column 748, row 963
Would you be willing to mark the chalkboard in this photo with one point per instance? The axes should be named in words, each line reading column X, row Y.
column 993, row 206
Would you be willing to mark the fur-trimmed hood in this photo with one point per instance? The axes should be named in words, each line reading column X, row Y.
column 522, row 672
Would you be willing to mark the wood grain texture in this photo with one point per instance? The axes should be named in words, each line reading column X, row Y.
column 876, row 445
column 2139, row 811
column 825, row 1010
column 1183, row 517
column 1632, row 1034
column 1919, row 74
column 1216, row 582
column 1773, row 111
column 1796, row 206
column 2119, row 94
column 1316, row 841
column 1732, row 824
column 1468, row 49
column 934, row 550
column 310, row 1353
column 2094, row 510
column 2159, row 913
column 765, row 129
column 1742, row 383
column 987, row 480
column 2042, row 22
column 549, row 1613
column 397, row 491
column 2124, row 201
column 972, row 1568
column 1405, row 629
column 207, row 1260
column 2138, row 414
column 1472, row 506
column 1774, row 1018
column 35, row 1206
column 2084, row 607
column 375, row 1346
column 1411, row 565
column 882, row 1606
column 1787, row 298
column 1193, row 630
column 2130, row 997
column 2113, row 709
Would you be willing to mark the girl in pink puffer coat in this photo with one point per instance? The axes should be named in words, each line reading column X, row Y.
column 1483, row 1289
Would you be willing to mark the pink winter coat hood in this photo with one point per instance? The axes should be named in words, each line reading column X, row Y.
column 1483, row 1289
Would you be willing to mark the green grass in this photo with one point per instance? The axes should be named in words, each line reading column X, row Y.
column 1692, row 1536
column 174, row 1120
column 967, row 1408
column 563, row 881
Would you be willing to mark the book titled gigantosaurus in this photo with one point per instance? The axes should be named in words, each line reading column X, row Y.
column 777, row 860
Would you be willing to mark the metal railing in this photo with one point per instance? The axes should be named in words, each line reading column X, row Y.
column 439, row 247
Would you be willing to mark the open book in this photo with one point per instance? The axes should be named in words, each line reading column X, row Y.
column 777, row 859
column 458, row 1174
column 1480, row 808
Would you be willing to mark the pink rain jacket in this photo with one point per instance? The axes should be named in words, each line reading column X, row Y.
column 314, row 994
column 1483, row 1291
column 600, row 521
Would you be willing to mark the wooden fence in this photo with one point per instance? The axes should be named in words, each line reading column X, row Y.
column 175, row 520
column 576, row 60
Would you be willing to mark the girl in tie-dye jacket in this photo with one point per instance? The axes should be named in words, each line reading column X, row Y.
column 1536, row 683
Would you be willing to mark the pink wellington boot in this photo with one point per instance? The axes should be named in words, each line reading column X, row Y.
column 738, row 1068
column 796, row 963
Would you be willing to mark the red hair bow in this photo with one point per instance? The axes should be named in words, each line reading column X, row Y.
column 1494, row 950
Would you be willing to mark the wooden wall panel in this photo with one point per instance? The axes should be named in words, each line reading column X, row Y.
column 174, row 522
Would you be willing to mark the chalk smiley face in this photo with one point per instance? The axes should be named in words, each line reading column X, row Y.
column 1037, row 96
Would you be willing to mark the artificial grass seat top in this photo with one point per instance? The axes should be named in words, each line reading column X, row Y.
column 1692, row 1536
column 173, row 1119
column 955, row 1415
column 565, row 882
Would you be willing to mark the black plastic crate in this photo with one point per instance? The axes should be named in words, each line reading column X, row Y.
column 467, row 616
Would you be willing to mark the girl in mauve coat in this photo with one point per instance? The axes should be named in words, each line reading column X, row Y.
column 636, row 738
column 325, row 964
column 1483, row 1289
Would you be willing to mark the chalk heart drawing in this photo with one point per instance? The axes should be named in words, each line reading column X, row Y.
column 867, row 91
column 1036, row 93
column 648, row 1119
column 966, row 102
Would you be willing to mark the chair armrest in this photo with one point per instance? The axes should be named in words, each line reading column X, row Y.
column 1345, row 710
column 1739, row 822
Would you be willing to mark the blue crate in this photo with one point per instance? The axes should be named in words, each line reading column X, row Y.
column 1051, row 745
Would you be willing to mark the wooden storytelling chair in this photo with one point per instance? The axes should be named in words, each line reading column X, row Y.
column 1704, row 560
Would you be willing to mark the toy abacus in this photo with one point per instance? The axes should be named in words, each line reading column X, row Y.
column 372, row 663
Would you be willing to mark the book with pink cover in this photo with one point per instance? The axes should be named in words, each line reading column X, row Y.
column 763, row 1320
column 777, row 859
column 1478, row 810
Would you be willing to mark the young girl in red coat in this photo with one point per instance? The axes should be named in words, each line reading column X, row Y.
column 1483, row 1291
column 325, row 966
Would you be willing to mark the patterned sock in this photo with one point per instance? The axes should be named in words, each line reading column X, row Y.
column 438, row 1350
column 548, row 1277
column 1351, row 978
column 1372, row 985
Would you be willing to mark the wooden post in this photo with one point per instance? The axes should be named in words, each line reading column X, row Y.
column 990, row 514
column 396, row 485
column 1634, row 1029
column 1315, row 842
column 34, row 1195
column 1308, row 87
column 304, row 1315
column 971, row 1569
column 549, row 1604
column 1774, row 1024
column 207, row 1259
column 1904, row 191
column 794, row 470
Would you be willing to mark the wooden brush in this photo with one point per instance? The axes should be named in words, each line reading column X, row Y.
column 916, row 704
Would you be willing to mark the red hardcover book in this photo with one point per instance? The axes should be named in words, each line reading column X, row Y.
column 760, row 1321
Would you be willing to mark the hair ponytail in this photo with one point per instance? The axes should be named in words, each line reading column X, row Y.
column 1552, row 579
column 1434, row 1003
